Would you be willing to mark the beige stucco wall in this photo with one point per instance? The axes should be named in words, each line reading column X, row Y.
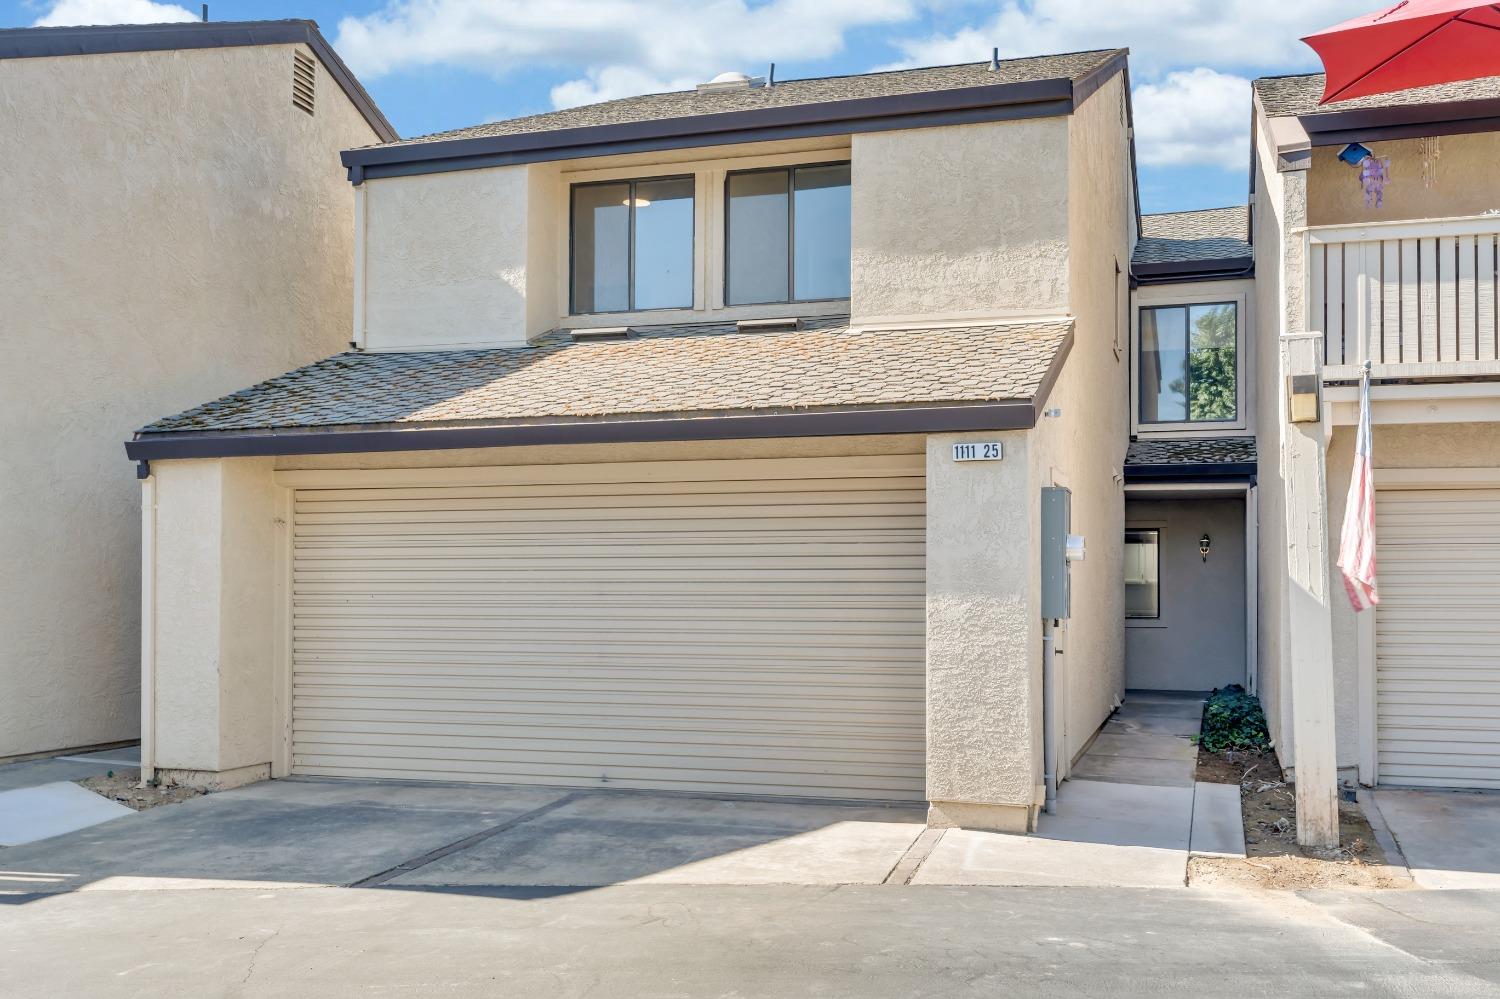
column 446, row 259
column 214, row 565
column 1460, row 180
column 984, row 639
column 1432, row 445
column 962, row 219
column 1084, row 447
column 1279, row 200
column 174, row 230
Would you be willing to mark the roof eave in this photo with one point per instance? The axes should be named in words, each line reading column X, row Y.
column 33, row 43
column 1005, row 415
column 1403, row 121
column 965, row 105
column 1197, row 471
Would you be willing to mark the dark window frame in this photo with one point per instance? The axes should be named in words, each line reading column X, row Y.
column 791, row 231
column 1140, row 364
column 1157, row 532
column 631, row 182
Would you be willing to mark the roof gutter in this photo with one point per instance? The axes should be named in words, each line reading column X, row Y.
column 965, row 105
column 1010, row 414
column 1218, row 269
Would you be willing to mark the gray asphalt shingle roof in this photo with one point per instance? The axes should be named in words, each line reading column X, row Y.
column 1191, row 451
column 788, row 93
column 1184, row 237
column 1284, row 96
column 702, row 369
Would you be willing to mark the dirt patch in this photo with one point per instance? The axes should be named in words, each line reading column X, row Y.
column 120, row 785
column 1268, row 806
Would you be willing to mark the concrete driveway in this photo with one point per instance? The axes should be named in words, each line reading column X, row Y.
column 310, row 832
column 1451, row 839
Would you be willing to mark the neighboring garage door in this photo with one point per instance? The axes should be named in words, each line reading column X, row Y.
column 1438, row 637
column 751, row 626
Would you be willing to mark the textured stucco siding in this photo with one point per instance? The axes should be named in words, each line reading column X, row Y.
column 174, row 229
column 446, row 260
column 1276, row 207
column 1429, row 445
column 984, row 641
column 214, row 563
column 967, row 219
column 1458, row 180
column 1084, row 447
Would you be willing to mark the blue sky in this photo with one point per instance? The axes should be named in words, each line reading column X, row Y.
column 437, row 64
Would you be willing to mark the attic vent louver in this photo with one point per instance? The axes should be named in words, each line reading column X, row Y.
column 304, row 80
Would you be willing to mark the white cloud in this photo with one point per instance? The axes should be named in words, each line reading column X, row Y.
column 627, row 46
column 1161, row 34
column 113, row 12
column 1192, row 117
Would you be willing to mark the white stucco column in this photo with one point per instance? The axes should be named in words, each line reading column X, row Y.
column 983, row 638
column 210, row 664
column 1310, row 628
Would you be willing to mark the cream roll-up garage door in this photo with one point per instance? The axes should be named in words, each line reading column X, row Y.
column 1437, row 642
column 732, row 626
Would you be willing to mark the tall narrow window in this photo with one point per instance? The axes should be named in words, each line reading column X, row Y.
column 632, row 245
column 1142, row 573
column 788, row 235
column 1188, row 370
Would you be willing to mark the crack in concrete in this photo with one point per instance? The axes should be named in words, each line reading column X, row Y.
column 417, row 863
column 255, row 954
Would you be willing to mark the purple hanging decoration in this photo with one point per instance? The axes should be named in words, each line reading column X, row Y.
column 1374, row 172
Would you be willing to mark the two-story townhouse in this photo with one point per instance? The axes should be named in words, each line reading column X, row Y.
column 1375, row 235
column 706, row 441
column 176, row 224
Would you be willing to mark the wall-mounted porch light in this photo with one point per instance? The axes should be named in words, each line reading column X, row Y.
column 1203, row 546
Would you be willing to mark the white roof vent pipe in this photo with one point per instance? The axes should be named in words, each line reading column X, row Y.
column 731, row 81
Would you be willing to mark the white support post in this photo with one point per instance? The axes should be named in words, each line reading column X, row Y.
column 1310, row 638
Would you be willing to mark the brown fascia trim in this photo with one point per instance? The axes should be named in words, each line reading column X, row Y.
column 33, row 43
column 1407, row 121
column 1010, row 414
column 966, row 105
column 1218, row 269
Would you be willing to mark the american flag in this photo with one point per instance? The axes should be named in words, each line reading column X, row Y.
column 1357, row 541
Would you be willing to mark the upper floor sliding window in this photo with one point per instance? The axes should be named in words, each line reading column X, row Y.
column 787, row 235
column 632, row 245
column 1189, row 364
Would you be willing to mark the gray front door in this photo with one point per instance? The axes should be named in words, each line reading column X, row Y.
column 1185, row 612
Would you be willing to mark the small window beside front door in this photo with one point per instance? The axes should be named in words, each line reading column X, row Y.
column 1142, row 573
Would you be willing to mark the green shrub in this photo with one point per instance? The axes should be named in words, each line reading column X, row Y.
column 1232, row 719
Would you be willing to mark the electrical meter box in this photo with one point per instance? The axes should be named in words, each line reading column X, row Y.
column 1059, row 550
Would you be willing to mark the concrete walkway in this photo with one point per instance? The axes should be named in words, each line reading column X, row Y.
column 1131, row 814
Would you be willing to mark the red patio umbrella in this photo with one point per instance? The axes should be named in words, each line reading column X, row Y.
column 1413, row 44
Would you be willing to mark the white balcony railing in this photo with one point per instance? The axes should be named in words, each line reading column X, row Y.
column 1416, row 299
